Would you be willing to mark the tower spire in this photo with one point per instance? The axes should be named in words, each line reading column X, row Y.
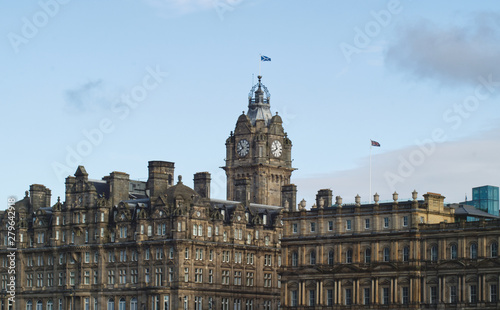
column 259, row 107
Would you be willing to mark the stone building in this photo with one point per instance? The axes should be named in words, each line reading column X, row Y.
column 399, row 255
column 117, row 243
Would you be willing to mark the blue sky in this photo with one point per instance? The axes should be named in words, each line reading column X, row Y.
column 420, row 77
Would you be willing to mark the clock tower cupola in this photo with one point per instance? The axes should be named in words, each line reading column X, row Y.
column 258, row 153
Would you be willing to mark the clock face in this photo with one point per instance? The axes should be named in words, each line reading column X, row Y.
column 198, row 213
column 276, row 148
column 243, row 147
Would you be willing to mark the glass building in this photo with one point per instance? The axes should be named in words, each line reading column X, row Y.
column 485, row 198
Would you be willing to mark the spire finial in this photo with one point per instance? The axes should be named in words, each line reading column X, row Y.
column 180, row 178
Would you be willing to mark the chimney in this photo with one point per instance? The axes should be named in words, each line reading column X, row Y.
column 289, row 194
column 326, row 194
column 202, row 184
column 39, row 196
column 118, row 183
column 242, row 189
column 161, row 177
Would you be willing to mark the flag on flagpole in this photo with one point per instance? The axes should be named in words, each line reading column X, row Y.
column 375, row 143
column 265, row 58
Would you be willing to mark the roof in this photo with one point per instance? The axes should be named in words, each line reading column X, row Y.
column 467, row 210
column 254, row 207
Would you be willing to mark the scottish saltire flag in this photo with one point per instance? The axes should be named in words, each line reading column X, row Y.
column 375, row 143
column 265, row 58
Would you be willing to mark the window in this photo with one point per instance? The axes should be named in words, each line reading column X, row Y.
column 329, row 297
column 367, row 223
column 133, row 304
column 211, row 255
column 387, row 254
column 50, row 305
column 406, row 295
column 294, row 299
column 330, row 225
column 266, row 241
column 29, row 305
column 195, row 230
column 209, row 231
column 267, row 280
column 366, row 296
column 226, row 256
column 224, row 236
column 237, row 278
column 473, row 251
column 86, row 277
column 368, row 256
column 249, row 279
column 312, row 297
column 494, row 249
column 386, row 222
column 210, row 276
column 385, row 295
column 493, row 293
column 249, row 303
column 186, row 274
column 295, row 259
column 146, row 275
column 405, row 221
column 111, row 304
column 186, row 253
column 312, row 257
column 348, row 225
column 225, row 303
column 268, row 260
column 453, row 251
column 121, row 304
column 198, row 275
column 433, row 295
column 453, row 294
column 348, row 256
column 473, row 294
column 330, row 257
column 111, row 277
column 166, row 303
column 313, row 226
column 348, row 296
column 406, row 254
column 198, row 303
column 434, row 253
column 133, row 276
column 158, row 276
column 225, row 277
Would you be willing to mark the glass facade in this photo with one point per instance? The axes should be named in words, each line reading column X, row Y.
column 485, row 198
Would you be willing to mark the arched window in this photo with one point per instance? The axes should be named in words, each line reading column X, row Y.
column 434, row 253
column 387, row 254
column 133, row 304
column 39, row 305
column 121, row 304
column 368, row 256
column 494, row 249
column 111, row 304
column 453, row 251
column 406, row 254
column 330, row 257
column 473, row 251
column 295, row 259
column 50, row 305
column 195, row 230
column 312, row 257
column 29, row 305
column 348, row 256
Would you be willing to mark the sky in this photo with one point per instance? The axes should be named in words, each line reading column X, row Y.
column 114, row 84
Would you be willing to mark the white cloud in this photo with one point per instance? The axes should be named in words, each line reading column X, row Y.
column 452, row 55
column 452, row 169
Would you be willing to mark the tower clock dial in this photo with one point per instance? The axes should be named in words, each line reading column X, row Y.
column 276, row 148
column 243, row 147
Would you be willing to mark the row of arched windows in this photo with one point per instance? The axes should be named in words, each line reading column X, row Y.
column 386, row 254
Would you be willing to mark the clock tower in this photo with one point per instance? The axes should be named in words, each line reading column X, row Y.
column 258, row 153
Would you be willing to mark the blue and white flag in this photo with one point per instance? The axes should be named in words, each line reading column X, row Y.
column 265, row 58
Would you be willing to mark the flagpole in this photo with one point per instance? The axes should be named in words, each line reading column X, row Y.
column 260, row 62
column 370, row 198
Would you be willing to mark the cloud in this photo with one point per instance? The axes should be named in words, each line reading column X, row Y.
column 451, row 169
column 180, row 7
column 87, row 97
column 452, row 55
